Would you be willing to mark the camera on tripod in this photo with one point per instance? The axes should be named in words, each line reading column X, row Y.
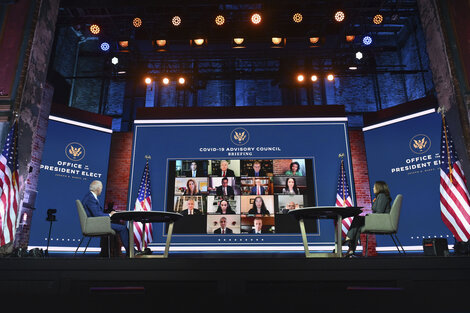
column 50, row 215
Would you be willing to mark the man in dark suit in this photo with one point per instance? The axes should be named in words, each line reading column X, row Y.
column 258, row 189
column 190, row 209
column 224, row 171
column 256, row 171
column 225, row 189
column 93, row 208
column 258, row 224
column 194, row 171
column 223, row 229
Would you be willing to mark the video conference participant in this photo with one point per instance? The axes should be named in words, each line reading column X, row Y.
column 190, row 210
column 194, row 171
column 258, row 189
column 289, row 207
column 224, row 189
column 258, row 226
column 291, row 187
column 224, row 208
column 259, row 207
column 381, row 204
column 256, row 170
column 191, row 188
column 224, row 171
column 93, row 208
column 294, row 169
column 223, row 229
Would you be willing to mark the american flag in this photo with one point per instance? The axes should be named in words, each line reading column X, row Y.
column 455, row 200
column 143, row 203
column 9, row 187
column 343, row 198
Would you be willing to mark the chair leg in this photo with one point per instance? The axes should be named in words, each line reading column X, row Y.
column 87, row 245
column 109, row 246
column 396, row 245
column 79, row 244
column 396, row 237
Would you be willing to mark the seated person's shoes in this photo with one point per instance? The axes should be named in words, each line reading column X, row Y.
column 349, row 254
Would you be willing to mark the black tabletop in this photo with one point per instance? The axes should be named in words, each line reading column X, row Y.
column 325, row 212
column 146, row 216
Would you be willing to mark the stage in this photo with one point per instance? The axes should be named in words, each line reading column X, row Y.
column 235, row 282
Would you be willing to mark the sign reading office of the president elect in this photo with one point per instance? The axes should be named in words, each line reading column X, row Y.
column 74, row 155
column 405, row 154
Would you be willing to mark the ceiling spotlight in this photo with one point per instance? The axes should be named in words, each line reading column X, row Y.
column 95, row 29
column 181, row 80
column 300, row 78
column 314, row 40
column 367, row 40
column 124, row 44
column 340, row 16
column 176, row 20
column 378, row 19
column 330, row 77
column 353, row 68
column 160, row 42
column 276, row 40
column 198, row 41
column 297, row 17
column 219, row 20
column 137, row 22
column 165, row 80
column 148, row 80
column 359, row 55
column 350, row 38
column 115, row 60
column 314, row 78
column 238, row 40
column 104, row 46
column 256, row 18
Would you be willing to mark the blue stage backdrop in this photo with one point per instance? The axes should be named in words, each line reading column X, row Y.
column 74, row 155
column 405, row 154
column 170, row 143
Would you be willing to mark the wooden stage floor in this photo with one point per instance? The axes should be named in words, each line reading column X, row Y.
column 241, row 283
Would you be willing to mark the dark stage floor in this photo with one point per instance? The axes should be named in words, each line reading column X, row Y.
column 276, row 282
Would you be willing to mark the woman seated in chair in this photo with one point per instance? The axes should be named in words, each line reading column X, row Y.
column 381, row 204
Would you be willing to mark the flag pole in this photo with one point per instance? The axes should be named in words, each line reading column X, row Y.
column 144, row 241
column 341, row 155
column 442, row 111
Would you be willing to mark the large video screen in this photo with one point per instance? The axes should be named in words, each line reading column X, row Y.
column 236, row 196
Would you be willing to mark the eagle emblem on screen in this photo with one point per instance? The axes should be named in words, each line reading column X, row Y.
column 75, row 151
column 240, row 136
column 420, row 143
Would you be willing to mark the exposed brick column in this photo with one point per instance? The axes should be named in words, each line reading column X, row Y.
column 119, row 170
column 361, row 181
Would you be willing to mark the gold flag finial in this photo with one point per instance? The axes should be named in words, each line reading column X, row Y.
column 341, row 155
column 148, row 157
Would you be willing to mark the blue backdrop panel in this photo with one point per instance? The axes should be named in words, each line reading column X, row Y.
column 318, row 139
column 73, row 157
column 406, row 156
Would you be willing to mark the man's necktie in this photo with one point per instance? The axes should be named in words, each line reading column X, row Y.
column 223, row 173
column 225, row 191
column 257, row 174
column 258, row 192
column 223, row 231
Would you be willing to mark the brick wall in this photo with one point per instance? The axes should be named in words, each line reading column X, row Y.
column 119, row 169
column 361, row 180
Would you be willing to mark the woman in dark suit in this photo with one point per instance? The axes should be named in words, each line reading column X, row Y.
column 224, row 208
column 258, row 207
column 381, row 204
column 291, row 187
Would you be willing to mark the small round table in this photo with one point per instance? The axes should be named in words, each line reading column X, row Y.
column 147, row 217
column 324, row 212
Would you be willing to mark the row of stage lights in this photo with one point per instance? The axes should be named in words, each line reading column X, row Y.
column 237, row 42
column 300, row 78
column 255, row 19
